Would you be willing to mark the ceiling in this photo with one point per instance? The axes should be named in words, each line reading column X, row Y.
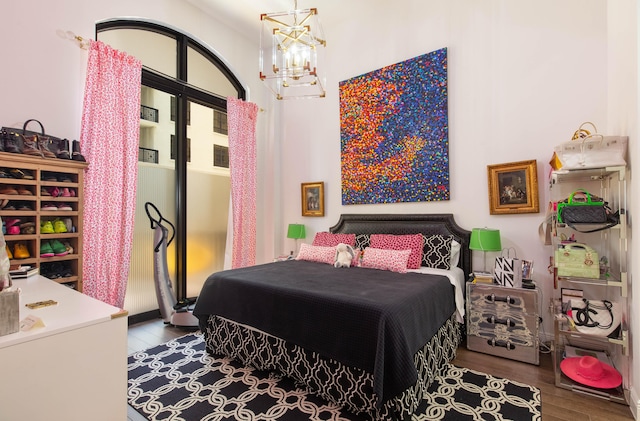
column 245, row 14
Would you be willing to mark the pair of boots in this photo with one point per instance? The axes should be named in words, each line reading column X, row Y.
column 10, row 142
column 63, row 150
column 35, row 145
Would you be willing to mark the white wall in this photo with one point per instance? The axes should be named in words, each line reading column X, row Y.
column 622, row 103
column 523, row 75
column 518, row 85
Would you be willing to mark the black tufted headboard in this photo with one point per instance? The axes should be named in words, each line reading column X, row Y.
column 426, row 224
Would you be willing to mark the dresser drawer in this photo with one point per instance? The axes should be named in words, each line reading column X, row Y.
column 502, row 300
column 503, row 322
column 505, row 348
column 520, row 329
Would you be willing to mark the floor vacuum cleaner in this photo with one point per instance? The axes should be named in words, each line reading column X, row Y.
column 177, row 313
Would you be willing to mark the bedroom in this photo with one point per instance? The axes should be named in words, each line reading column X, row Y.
column 522, row 77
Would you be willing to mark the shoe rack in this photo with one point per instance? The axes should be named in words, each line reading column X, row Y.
column 37, row 196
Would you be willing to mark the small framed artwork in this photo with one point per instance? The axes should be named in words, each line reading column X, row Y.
column 513, row 188
column 313, row 199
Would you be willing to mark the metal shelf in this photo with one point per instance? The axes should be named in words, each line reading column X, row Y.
column 618, row 395
column 621, row 283
column 610, row 184
column 562, row 329
column 591, row 174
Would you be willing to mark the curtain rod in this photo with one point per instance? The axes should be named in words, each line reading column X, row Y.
column 80, row 41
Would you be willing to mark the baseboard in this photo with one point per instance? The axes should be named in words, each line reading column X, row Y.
column 634, row 403
column 144, row 317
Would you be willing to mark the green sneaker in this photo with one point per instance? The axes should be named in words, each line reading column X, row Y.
column 58, row 248
column 46, row 250
column 46, row 227
column 59, row 226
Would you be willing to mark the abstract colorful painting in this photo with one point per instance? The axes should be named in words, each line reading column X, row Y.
column 394, row 133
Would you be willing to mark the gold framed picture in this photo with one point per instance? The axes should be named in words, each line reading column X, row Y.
column 513, row 188
column 313, row 199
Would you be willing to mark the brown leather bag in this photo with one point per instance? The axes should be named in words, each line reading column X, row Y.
column 30, row 142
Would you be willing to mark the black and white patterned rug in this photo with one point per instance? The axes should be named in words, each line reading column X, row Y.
column 179, row 381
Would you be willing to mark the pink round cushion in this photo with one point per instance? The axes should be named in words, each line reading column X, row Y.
column 411, row 242
column 393, row 260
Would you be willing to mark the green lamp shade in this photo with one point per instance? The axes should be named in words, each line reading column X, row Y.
column 485, row 239
column 296, row 231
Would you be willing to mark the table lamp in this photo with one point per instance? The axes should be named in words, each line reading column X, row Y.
column 485, row 239
column 296, row 231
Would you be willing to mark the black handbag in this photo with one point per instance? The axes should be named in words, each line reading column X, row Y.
column 31, row 142
column 583, row 208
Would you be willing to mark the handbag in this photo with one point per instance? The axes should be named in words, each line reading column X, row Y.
column 595, row 317
column 583, row 208
column 577, row 260
column 590, row 150
column 32, row 143
column 508, row 270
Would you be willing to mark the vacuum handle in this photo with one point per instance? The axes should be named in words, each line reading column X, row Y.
column 159, row 223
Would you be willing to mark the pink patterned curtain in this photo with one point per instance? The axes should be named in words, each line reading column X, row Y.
column 109, row 142
column 241, row 124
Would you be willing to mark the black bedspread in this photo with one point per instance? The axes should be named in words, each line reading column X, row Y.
column 370, row 319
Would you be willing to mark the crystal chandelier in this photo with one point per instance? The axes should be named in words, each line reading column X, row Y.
column 291, row 47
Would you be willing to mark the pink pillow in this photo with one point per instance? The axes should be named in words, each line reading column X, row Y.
column 411, row 242
column 327, row 239
column 356, row 260
column 393, row 260
column 317, row 253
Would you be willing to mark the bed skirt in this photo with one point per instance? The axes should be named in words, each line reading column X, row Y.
column 349, row 387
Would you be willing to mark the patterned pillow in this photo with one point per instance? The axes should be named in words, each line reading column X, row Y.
column 327, row 239
column 393, row 260
column 437, row 252
column 411, row 242
column 317, row 253
column 362, row 241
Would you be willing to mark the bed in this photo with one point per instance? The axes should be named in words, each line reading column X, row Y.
column 366, row 339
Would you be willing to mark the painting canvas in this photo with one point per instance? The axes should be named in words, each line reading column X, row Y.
column 394, row 133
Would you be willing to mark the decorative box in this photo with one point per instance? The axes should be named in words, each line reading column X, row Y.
column 9, row 312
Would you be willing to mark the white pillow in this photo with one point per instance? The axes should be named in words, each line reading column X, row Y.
column 455, row 253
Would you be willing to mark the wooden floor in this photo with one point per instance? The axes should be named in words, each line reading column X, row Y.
column 557, row 403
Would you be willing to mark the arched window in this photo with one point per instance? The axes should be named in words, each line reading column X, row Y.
column 183, row 160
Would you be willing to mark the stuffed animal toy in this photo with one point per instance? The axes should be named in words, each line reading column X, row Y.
column 344, row 255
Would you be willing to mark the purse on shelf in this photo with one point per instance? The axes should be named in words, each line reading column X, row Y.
column 589, row 149
column 596, row 317
column 507, row 271
column 33, row 143
column 581, row 207
column 577, row 260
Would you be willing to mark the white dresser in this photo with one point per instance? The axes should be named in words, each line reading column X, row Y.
column 74, row 368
